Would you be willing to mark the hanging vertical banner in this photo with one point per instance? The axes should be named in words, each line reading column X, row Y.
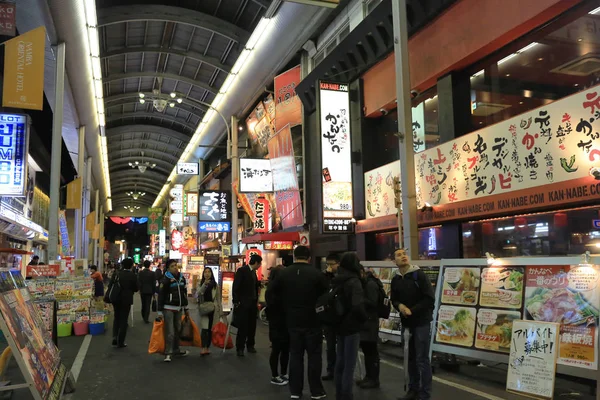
column 155, row 220
column 8, row 17
column 90, row 221
column 162, row 242
column 285, row 179
column 418, row 127
column 64, row 234
column 336, row 157
column 191, row 204
column 74, row 194
column 243, row 200
column 262, row 212
column 24, row 70
column 288, row 108
column 14, row 146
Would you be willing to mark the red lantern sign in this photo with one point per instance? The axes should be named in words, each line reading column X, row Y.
column 261, row 215
column 250, row 253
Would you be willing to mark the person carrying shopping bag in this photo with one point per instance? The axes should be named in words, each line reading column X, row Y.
column 172, row 302
column 209, row 306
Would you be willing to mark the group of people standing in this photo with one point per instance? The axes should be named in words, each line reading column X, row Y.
column 293, row 297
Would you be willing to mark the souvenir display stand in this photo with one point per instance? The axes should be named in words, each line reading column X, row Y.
column 477, row 301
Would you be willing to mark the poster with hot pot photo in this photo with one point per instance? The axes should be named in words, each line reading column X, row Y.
column 461, row 286
column 502, row 287
column 567, row 295
column 494, row 329
column 456, row 325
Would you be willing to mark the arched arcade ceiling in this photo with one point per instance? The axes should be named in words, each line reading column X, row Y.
column 189, row 46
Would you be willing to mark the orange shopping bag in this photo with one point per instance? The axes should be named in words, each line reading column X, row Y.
column 219, row 331
column 196, row 341
column 157, row 339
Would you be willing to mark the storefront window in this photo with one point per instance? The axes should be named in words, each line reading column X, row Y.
column 381, row 246
column 558, row 233
column 549, row 64
column 425, row 120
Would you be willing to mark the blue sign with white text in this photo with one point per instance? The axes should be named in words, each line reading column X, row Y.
column 214, row 226
column 13, row 154
column 596, row 223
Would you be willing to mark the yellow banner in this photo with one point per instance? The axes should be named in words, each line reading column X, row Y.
column 24, row 70
column 74, row 195
column 90, row 221
column 96, row 232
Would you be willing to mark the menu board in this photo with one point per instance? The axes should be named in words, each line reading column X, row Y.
column 461, row 285
column 226, row 290
column 494, row 329
column 532, row 360
column 456, row 325
column 502, row 287
column 567, row 295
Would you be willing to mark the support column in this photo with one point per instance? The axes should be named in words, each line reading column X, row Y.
column 97, row 210
column 79, row 211
column 101, row 248
column 86, row 208
column 235, row 171
column 407, row 171
column 56, row 153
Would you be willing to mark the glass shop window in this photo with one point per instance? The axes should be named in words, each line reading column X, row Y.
column 556, row 61
column 381, row 246
column 425, row 120
column 559, row 233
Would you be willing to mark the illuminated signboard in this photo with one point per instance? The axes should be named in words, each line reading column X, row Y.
column 256, row 175
column 14, row 136
column 336, row 157
column 279, row 245
column 162, row 242
column 187, row 169
column 215, row 206
column 214, row 227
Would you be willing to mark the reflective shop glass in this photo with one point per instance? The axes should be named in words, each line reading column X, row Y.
column 558, row 233
column 381, row 246
column 561, row 59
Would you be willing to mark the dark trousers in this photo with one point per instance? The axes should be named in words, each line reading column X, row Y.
column 120, row 322
column 245, row 320
column 419, row 366
column 371, row 353
column 206, row 334
column 280, row 354
column 347, row 353
column 146, row 302
column 311, row 342
column 331, row 339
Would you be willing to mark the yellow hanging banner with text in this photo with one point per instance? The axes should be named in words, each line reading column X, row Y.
column 90, row 221
column 74, row 195
column 24, row 70
column 96, row 232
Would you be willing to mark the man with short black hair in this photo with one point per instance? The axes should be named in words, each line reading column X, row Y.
column 245, row 301
column 333, row 263
column 128, row 286
column 147, row 284
column 299, row 286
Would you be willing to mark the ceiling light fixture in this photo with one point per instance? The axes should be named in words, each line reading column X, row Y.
column 136, row 194
column 131, row 208
column 595, row 11
column 160, row 100
column 142, row 166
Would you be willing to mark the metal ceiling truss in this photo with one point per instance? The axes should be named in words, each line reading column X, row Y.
column 120, row 99
column 149, row 12
column 126, row 51
column 149, row 155
column 142, row 143
column 145, row 185
column 183, row 107
column 123, row 163
column 150, row 74
column 157, row 115
column 141, row 128
column 119, row 200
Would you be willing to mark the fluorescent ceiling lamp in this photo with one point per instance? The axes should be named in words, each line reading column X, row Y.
column 237, row 67
column 98, row 88
column 505, row 59
column 96, row 68
column 101, row 120
column 109, row 203
column 208, row 115
column 258, row 31
column 100, row 105
column 90, row 12
column 595, row 11
column 476, row 74
column 94, row 43
column 528, row 47
column 227, row 83
column 218, row 99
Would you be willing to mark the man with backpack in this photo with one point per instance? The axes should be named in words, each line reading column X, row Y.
column 299, row 286
column 120, row 294
column 412, row 295
column 377, row 305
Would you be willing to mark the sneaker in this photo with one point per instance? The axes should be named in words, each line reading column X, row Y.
column 285, row 377
column 318, row 396
column 183, row 353
column 167, row 358
column 276, row 380
column 295, row 396
column 251, row 350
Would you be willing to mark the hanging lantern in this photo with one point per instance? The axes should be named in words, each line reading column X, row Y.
column 487, row 228
column 521, row 223
column 120, row 220
column 560, row 220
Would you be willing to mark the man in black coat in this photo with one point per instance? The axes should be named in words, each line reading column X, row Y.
column 299, row 286
column 333, row 262
column 369, row 334
column 245, row 303
column 147, row 284
column 129, row 285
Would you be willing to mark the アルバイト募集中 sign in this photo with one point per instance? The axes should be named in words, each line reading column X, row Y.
column 14, row 137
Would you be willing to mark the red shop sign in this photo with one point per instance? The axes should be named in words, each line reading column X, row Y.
column 39, row 271
column 262, row 212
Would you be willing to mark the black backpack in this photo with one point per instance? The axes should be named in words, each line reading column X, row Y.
column 384, row 306
column 113, row 294
column 330, row 307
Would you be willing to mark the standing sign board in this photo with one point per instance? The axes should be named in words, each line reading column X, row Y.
column 532, row 361
column 227, row 290
column 14, row 146
column 256, row 175
column 336, row 157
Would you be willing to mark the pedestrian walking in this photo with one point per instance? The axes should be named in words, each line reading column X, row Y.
column 210, row 307
column 245, row 301
column 333, row 262
column 278, row 332
column 122, row 306
column 369, row 334
column 147, row 284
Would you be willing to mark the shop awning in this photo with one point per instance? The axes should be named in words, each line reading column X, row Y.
column 278, row 236
column 389, row 222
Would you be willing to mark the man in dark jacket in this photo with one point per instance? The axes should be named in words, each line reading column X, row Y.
column 278, row 333
column 122, row 307
column 350, row 290
column 333, row 262
column 172, row 302
column 299, row 286
column 147, row 284
column 369, row 333
column 245, row 303
column 412, row 295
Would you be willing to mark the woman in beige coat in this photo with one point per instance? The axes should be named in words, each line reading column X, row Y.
column 209, row 305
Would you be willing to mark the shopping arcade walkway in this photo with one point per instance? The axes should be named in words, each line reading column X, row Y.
column 131, row 374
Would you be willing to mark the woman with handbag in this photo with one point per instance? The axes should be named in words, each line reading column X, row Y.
column 209, row 305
